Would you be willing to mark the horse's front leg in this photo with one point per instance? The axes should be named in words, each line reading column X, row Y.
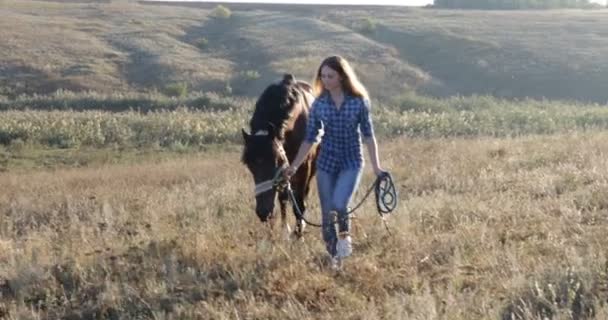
column 283, row 199
column 301, row 190
column 299, row 210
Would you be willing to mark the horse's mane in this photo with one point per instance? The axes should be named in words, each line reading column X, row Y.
column 276, row 104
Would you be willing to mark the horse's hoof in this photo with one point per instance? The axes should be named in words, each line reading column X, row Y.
column 299, row 228
column 287, row 232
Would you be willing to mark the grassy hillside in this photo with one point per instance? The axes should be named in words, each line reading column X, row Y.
column 557, row 54
column 103, row 47
column 125, row 46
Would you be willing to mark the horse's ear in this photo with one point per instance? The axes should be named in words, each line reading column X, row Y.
column 245, row 134
column 288, row 78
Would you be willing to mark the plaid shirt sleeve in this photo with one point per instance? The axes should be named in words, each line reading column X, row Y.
column 314, row 125
column 365, row 121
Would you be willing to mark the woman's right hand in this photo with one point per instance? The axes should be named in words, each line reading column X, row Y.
column 289, row 171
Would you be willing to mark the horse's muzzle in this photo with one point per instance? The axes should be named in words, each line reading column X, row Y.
column 264, row 205
column 264, row 215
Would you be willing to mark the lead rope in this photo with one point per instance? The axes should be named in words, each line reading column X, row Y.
column 384, row 191
column 383, row 187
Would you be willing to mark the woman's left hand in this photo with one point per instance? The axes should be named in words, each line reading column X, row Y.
column 378, row 171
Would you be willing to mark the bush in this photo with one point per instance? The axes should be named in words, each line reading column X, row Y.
column 201, row 43
column 228, row 89
column 367, row 25
column 179, row 90
column 556, row 294
column 221, row 12
column 250, row 75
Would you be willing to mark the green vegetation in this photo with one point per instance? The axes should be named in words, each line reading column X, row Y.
column 366, row 25
column 221, row 12
column 117, row 102
column 63, row 129
column 250, row 75
column 179, row 90
column 486, row 116
column 194, row 121
column 202, row 43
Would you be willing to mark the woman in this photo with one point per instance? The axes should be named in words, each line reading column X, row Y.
column 339, row 117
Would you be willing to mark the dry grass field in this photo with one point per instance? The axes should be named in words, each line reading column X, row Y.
column 486, row 228
column 122, row 195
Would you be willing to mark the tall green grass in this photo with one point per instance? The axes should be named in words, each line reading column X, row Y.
column 70, row 120
column 118, row 102
column 414, row 115
column 64, row 129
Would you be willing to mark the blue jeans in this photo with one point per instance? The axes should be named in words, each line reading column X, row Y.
column 335, row 192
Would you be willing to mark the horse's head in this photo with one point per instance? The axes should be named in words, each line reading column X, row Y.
column 263, row 156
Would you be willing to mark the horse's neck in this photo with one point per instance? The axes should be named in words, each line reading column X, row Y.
column 308, row 99
column 301, row 111
column 294, row 126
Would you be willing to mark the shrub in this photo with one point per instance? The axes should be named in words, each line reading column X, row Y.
column 179, row 90
column 565, row 294
column 221, row 12
column 228, row 89
column 250, row 75
column 367, row 25
column 201, row 43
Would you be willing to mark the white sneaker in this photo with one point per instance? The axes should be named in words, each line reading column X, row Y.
column 335, row 263
column 344, row 247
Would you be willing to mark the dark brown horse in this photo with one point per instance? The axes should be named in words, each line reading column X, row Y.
column 278, row 127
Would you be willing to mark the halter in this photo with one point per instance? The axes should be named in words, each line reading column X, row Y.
column 277, row 180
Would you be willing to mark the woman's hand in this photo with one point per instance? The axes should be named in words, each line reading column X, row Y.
column 378, row 171
column 299, row 159
column 289, row 171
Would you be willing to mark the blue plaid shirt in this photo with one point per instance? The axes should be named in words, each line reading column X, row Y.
column 340, row 131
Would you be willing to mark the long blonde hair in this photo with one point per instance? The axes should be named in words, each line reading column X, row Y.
column 350, row 81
